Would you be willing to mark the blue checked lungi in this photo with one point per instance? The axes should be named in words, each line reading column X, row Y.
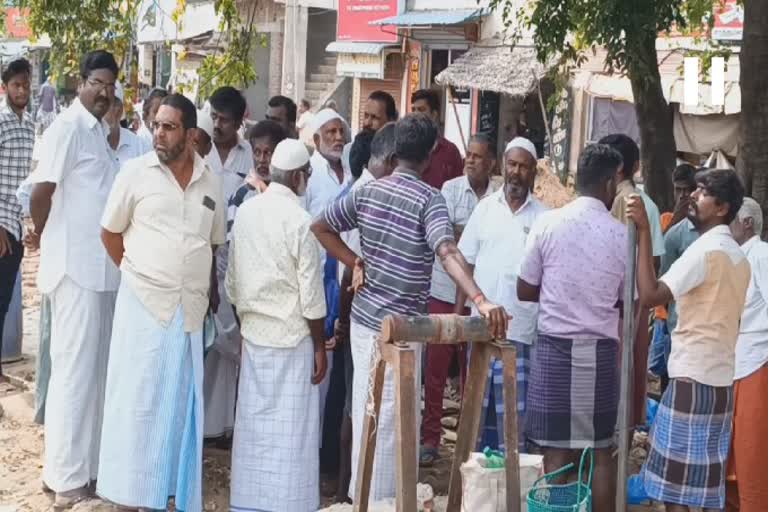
column 690, row 439
column 152, row 438
column 492, row 433
column 573, row 393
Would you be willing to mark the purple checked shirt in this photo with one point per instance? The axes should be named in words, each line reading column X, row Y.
column 577, row 254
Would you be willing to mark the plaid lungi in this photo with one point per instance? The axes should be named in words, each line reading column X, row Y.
column 573, row 393
column 492, row 433
column 690, row 439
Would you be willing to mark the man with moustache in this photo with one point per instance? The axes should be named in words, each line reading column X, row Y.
column 149, row 110
column 17, row 139
column 162, row 223
column 328, row 174
column 445, row 163
column 230, row 156
column 493, row 243
column 691, row 434
column 72, row 181
column 461, row 195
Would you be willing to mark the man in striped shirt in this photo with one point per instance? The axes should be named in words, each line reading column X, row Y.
column 403, row 222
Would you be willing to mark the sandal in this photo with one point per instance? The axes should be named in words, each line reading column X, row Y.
column 427, row 456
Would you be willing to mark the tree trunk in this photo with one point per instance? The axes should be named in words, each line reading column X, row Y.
column 753, row 147
column 654, row 117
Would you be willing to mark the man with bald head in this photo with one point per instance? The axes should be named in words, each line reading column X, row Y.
column 493, row 243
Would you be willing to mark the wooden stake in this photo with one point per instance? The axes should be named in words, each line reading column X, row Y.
column 508, row 354
column 406, row 446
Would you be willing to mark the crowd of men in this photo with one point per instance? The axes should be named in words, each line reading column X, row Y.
column 199, row 281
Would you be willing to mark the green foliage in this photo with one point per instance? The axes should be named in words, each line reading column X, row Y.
column 232, row 66
column 78, row 26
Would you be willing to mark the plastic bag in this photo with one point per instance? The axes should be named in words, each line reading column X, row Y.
column 636, row 491
column 484, row 488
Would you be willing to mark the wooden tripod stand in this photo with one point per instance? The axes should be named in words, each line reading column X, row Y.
column 396, row 332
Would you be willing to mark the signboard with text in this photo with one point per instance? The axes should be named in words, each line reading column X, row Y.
column 729, row 21
column 354, row 16
column 16, row 25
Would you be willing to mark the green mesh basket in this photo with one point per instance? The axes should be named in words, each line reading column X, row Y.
column 573, row 497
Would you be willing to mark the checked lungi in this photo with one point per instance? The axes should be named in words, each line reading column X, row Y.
column 690, row 438
column 492, row 433
column 275, row 451
column 573, row 394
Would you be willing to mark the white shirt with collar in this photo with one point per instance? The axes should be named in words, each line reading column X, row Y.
column 494, row 242
column 129, row 146
column 461, row 200
column 323, row 186
column 752, row 343
column 81, row 164
column 145, row 138
column 352, row 237
column 235, row 169
column 275, row 278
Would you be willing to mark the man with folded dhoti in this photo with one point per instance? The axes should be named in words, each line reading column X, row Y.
column 747, row 487
column 163, row 221
column 403, row 222
column 691, row 434
column 72, row 182
column 275, row 282
column 573, row 266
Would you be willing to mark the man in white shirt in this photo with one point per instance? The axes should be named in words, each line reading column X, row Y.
column 747, row 486
column 303, row 124
column 125, row 144
column 230, row 158
column 328, row 174
column 72, row 182
column 461, row 195
column 281, row 305
column 149, row 110
column 691, row 434
column 162, row 222
column 494, row 243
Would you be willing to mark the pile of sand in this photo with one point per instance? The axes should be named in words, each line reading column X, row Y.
column 548, row 188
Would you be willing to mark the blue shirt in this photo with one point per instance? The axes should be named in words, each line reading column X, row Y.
column 676, row 240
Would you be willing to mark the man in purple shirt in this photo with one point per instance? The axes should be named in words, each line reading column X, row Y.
column 403, row 222
column 574, row 265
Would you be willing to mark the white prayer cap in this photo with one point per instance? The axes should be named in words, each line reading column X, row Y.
column 524, row 144
column 289, row 155
column 324, row 117
column 119, row 92
column 205, row 123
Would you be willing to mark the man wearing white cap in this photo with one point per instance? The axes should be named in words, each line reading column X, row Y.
column 125, row 144
column 331, row 134
column 203, row 139
column 493, row 243
column 275, row 282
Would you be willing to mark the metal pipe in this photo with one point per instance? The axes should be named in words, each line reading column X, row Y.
column 627, row 346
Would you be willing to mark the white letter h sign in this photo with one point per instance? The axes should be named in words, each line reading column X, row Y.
column 691, row 81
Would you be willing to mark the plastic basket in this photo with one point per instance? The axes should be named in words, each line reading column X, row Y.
column 573, row 497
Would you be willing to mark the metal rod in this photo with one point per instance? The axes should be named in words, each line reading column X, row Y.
column 627, row 352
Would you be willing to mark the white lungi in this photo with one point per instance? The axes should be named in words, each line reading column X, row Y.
column 220, row 376
column 275, row 453
column 153, row 416
column 81, row 326
column 362, row 340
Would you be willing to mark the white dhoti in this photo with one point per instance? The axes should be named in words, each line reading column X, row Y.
column 362, row 341
column 275, row 453
column 220, row 378
column 81, row 325
column 153, row 416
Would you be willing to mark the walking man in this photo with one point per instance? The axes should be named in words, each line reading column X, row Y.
column 17, row 139
column 403, row 222
column 461, row 196
column 573, row 266
column 163, row 220
column 275, row 459
column 747, row 488
column 72, row 181
column 493, row 243
column 691, row 435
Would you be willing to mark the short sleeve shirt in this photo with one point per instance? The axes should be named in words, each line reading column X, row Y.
column 402, row 221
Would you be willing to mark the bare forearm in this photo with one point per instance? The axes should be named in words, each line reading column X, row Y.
column 457, row 267
column 332, row 242
column 345, row 296
column 317, row 331
column 652, row 292
column 461, row 297
column 114, row 244
column 40, row 204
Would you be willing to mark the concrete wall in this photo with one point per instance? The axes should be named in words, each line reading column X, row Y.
column 295, row 51
column 258, row 93
column 321, row 30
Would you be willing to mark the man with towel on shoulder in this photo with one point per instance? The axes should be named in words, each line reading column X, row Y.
column 274, row 280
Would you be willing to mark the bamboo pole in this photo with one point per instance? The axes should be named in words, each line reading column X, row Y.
column 627, row 346
column 543, row 114
column 458, row 120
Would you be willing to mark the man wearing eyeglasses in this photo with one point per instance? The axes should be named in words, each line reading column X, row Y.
column 162, row 223
column 72, row 182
